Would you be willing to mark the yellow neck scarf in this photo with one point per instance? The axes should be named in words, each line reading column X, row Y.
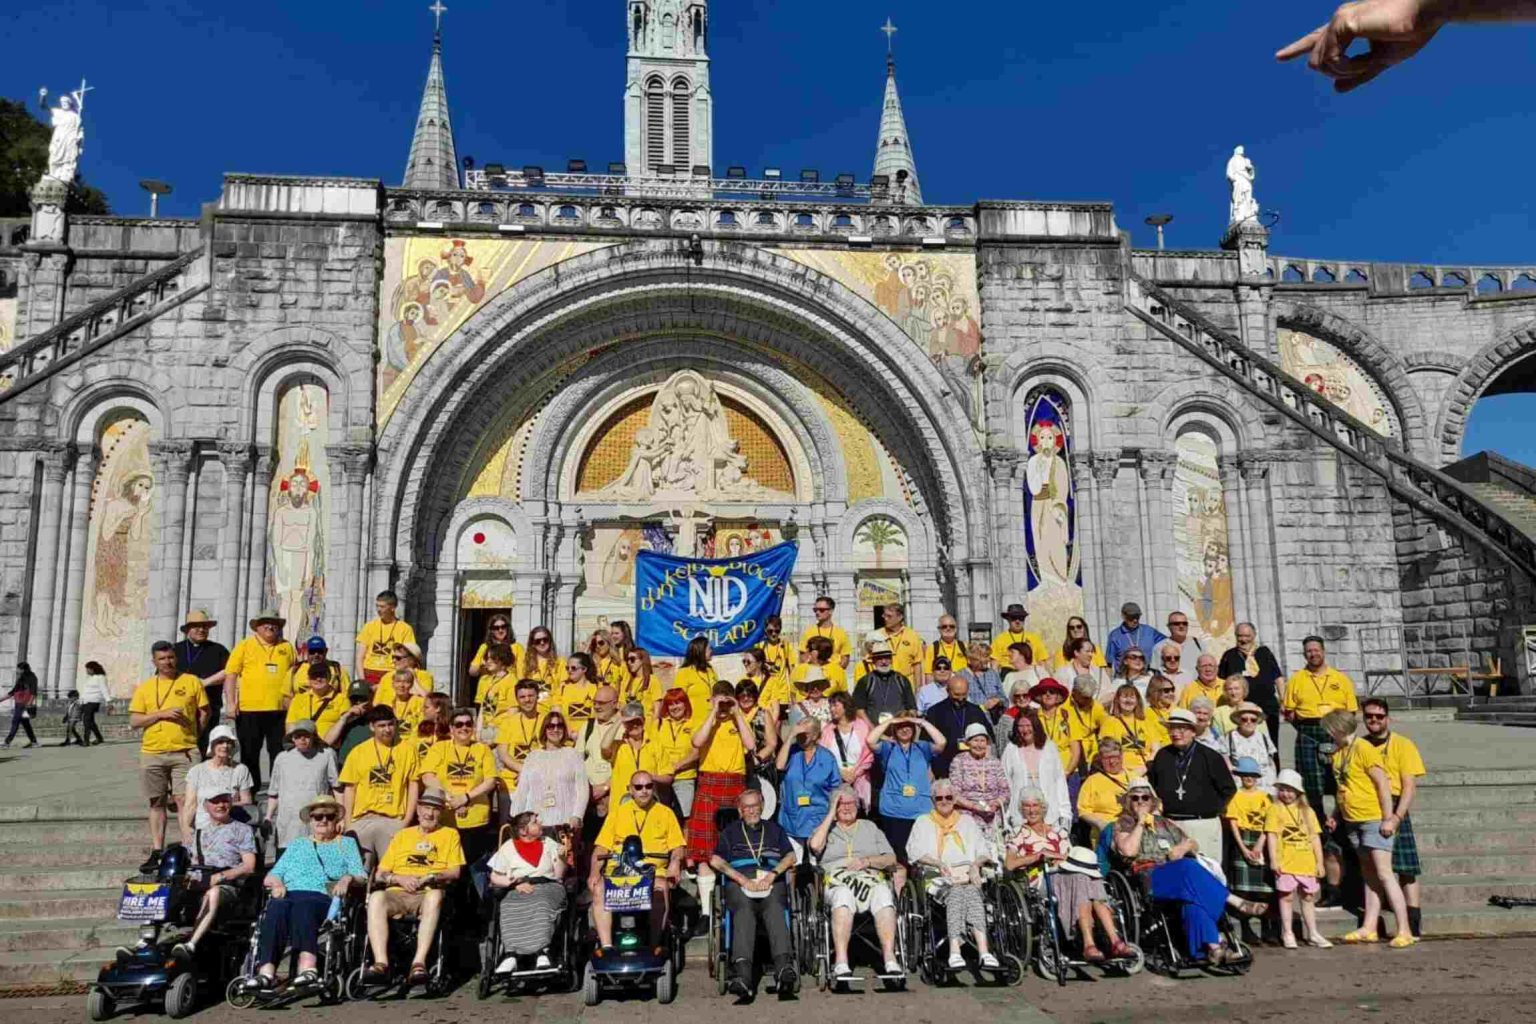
column 948, row 826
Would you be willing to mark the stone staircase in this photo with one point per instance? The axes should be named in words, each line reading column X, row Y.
column 1519, row 711
column 1477, row 837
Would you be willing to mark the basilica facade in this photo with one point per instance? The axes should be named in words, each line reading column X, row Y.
column 488, row 389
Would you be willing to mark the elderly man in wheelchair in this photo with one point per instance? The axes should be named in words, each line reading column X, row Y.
column 754, row 856
column 855, row 858
column 662, row 844
column 417, row 868
column 226, row 852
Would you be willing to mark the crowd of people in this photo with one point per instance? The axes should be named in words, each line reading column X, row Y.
column 891, row 758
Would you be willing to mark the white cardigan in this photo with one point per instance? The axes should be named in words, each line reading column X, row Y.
column 1052, row 781
column 508, row 861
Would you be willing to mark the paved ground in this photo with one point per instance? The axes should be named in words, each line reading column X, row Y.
column 1469, row 982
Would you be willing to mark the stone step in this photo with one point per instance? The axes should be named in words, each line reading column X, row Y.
column 121, row 857
column 1438, row 841
column 1465, row 890
column 1519, row 863
column 1461, row 797
column 1436, row 820
column 90, row 904
column 127, row 834
column 1516, row 719
column 1478, row 921
column 45, row 966
column 65, row 933
column 32, row 880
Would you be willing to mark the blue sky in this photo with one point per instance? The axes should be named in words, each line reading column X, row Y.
column 1139, row 105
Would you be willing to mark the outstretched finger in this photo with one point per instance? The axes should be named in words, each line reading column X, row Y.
column 1300, row 46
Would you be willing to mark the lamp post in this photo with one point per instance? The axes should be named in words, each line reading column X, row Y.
column 1158, row 220
column 156, row 189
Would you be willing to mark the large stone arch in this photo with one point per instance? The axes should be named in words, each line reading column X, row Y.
column 1375, row 359
column 538, row 333
column 1474, row 379
column 289, row 355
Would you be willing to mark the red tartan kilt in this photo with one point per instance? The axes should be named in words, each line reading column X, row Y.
column 712, row 792
column 373, row 676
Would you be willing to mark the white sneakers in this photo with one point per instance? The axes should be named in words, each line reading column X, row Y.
column 957, row 961
column 989, row 961
column 542, row 963
column 892, row 967
column 507, row 965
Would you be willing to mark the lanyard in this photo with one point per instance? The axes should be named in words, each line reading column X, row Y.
column 159, row 700
column 757, row 852
column 388, row 766
column 1130, row 733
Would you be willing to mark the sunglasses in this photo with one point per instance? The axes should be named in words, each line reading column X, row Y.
column 641, row 787
column 322, row 817
column 1140, row 799
column 821, row 608
column 1172, row 623
column 1135, row 657
column 1374, row 717
column 541, row 640
column 947, row 626
column 464, row 725
column 501, row 625
column 399, row 657
column 943, row 799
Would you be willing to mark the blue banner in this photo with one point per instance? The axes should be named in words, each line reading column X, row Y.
column 727, row 600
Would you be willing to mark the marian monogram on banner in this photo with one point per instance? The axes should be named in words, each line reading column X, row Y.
column 726, row 600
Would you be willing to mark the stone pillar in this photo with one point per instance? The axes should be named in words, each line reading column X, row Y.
column 236, row 459
column 1157, row 469
column 1088, row 562
column 1099, row 607
column 256, row 548
column 442, row 656
column 45, row 574
column 354, row 462
column 1005, row 467
column 172, row 461
column 67, row 663
column 1250, row 241
column 1239, row 547
column 1266, row 610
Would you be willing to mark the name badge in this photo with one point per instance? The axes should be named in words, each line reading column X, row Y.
column 909, row 790
column 271, row 669
column 803, row 801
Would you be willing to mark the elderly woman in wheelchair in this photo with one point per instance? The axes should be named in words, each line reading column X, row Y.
column 856, row 860
column 529, row 869
column 947, row 851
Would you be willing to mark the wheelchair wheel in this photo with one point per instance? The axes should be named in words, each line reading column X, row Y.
column 1015, row 935
column 591, row 992
column 99, row 1006
column 1050, row 965
column 484, row 985
column 239, row 995
column 912, row 929
column 1137, row 962
column 181, row 997
column 666, row 985
column 353, row 987
column 1128, row 907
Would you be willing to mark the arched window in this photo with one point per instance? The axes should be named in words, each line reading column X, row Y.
column 682, row 153
column 1050, row 501
column 1202, row 549
column 655, row 124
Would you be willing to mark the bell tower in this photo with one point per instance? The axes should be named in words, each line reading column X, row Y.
column 668, row 108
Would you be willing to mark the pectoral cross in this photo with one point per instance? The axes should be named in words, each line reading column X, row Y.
column 1179, row 790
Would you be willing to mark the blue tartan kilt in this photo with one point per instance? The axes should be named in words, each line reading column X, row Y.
column 1405, row 850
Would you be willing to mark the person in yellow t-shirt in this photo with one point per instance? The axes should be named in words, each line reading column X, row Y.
column 820, row 657
column 643, row 685
column 377, row 640
column 1058, row 725
column 1295, row 848
column 497, row 631
column 696, row 677
column 259, row 668
column 1077, row 629
column 419, row 866
column 313, row 653
column 169, row 707
column 409, row 656
column 574, row 696
column 630, row 752
column 771, row 691
column 1138, row 732
column 1311, row 693
column 1364, row 805
column 608, row 664
column 825, row 628
column 401, row 697
column 1087, row 716
column 779, row 655
column 1246, row 813
column 1405, row 766
column 948, row 645
column 1098, row 802
column 724, row 740
column 661, row 839
column 908, row 652
column 542, row 664
column 518, row 732
column 1207, row 683
column 1016, row 615
column 495, row 692
column 465, row 769
column 319, row 702
column 379, row 784
column 672, row 735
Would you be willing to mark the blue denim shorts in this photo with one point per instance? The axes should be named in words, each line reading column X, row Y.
column 1367, row 835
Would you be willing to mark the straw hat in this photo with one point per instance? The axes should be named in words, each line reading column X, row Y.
column 198, row 617
column 324, row 801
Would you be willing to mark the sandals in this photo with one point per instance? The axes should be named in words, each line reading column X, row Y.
column 1359, row 937
column 1093, row 954
column 1402, row 941
column 1120, row 950
column 418, row 975
column 376, row 973
column 305, row 979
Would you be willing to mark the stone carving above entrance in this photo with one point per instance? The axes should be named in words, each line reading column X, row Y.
column 687, row 451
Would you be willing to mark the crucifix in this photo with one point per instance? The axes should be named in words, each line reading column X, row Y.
column 80, row 95
column 889, row 30
column 438, row 9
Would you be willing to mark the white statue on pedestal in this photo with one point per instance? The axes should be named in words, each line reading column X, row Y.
column 67, row 141
column 1240, row 174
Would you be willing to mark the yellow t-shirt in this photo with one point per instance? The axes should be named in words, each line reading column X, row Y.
column 1352, row 764
column 1313, row 696
column 780, row 659
column 1100, row 795
column 836, row 634
column 1007, row 638
column 381, row 776
column 323, row 711
column 907, row 650
column 424, row 746
column 1194, row 688
column 550, row 673
column 520, row 735
column 837, row 679
column 612, row 671
column 415, row 853
column 1294, row 825
column 298, row 679
column 656, row 826
column 479, row 658
column 1139, row 739
column 575, row 701
column 1401, row 757
column 673, row 742
column 408, row 712
column 460, row 769
column 424, row 681
column 1061, row 728
column 1061, row 659
column 1249, row 808
column 377, row 642
column 777, row 692
column 184, row 694
column 725, row 752
column 698, row 685
column 955, row 652
column 1085, row 726
column 638, row 689
column 496, row 695
column 263, row 672
column 626, row 762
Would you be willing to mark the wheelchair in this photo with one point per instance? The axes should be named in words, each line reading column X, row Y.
column 1056, row 956
column 566, row 946
column 164, row 905
column 402, row 949
column 638, row 959
column 343, row 948
column 720, row 924
column 921, row 925
column 1155, row 928
column 813, row 937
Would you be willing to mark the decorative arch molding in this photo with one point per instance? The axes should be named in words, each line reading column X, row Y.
column 547, row 325
column 922, row 556
column 472, row 510
column 1234, row 425
column 98, row 405
column 1378, row 362
column 1089, row 388
column 1480, row 371
column 290, row 354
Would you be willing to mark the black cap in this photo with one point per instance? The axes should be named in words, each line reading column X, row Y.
column 359, row 690
column 940, row 662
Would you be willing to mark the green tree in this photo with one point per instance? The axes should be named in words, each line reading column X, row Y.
column 24, row 158
column 880, row 534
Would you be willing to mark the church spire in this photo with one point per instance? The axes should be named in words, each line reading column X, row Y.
column 433, row 164
column 893, row 150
